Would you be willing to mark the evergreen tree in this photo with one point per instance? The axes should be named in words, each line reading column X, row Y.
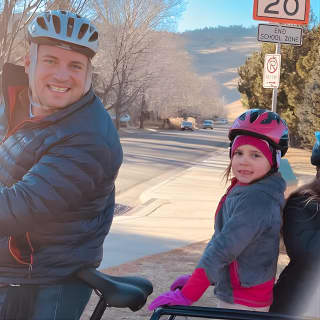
column 309, row 111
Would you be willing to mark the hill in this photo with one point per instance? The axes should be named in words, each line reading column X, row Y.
column 219, row 52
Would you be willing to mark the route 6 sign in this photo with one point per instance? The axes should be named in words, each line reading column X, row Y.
column 282, row 11
column 271, row 72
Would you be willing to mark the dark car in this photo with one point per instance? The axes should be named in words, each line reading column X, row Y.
column 186, row 125
column 207, row 124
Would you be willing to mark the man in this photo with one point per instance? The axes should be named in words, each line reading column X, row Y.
column 59, row 158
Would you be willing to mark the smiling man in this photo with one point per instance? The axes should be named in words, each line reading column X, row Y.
column 60, row 155
column 60, row 78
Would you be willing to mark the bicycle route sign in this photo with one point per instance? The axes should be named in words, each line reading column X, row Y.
column 280, row 34
column 282, row 11
column 271, row 74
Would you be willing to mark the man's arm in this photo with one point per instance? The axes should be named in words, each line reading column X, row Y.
column 69, row 175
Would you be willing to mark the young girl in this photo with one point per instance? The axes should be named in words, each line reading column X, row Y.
column 297, row 291
column 241, row 258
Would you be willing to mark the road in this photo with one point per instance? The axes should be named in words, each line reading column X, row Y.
column 151, row 157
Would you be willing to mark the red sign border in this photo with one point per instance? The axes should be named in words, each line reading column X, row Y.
column 281, row 20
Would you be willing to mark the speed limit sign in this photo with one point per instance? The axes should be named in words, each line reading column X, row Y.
column 282, row 11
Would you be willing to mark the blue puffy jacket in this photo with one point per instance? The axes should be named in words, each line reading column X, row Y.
column 57, row 188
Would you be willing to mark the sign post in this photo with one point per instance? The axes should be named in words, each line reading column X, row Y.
column 275, row 90
column 280, row 11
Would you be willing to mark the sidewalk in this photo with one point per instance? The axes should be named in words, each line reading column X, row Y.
column 166, row 235
column 173, row 214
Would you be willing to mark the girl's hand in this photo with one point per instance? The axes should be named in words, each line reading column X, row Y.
column 180, row 282
column 170, row 298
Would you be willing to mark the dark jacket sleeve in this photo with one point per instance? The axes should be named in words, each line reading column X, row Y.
column 301, row 233
column 70, row 174
column 301, row 229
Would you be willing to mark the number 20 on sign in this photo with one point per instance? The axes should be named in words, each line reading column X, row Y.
column 282, row 11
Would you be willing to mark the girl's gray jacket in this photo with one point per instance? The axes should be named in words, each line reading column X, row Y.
column 247, row 229
column 57, row 190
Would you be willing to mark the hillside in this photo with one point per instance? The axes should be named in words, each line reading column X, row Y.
column 219, row 52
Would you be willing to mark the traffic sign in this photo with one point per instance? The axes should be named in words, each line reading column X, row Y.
column 271, row 72
column 282, row 11
column 280, row 34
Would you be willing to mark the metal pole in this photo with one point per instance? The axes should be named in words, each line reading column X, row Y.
column 275, row 90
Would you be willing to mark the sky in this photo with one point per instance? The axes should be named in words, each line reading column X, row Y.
column 211, row 13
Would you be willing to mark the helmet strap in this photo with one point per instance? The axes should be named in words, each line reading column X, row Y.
column 88, row 81
column 33, row 56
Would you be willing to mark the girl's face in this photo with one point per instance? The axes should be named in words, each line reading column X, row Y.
column 249, row 164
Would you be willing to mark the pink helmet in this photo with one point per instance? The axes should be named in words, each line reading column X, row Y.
column 264, row 124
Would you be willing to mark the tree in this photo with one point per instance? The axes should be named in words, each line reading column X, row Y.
column 309, row 111
column 13, row 19
column 127, row 28
column 175, row 89
column 81, row 7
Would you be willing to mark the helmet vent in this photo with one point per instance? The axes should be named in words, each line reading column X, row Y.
column 42, row 23
column 56, row 23
column 254, row 115
column 84, row 28
column 94, row 37
column 70, row 27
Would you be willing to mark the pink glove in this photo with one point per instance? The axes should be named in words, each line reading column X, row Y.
column 180, row 282
column 170, row 298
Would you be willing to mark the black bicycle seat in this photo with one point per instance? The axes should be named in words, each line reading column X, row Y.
column 118, row 292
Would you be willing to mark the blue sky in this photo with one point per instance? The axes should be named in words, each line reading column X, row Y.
column 211, row 13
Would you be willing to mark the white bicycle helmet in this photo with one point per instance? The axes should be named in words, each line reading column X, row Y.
column 67, row 29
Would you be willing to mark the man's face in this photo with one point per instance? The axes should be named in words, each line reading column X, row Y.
column 59, row 78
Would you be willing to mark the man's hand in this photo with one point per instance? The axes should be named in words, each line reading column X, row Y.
column 170, row 298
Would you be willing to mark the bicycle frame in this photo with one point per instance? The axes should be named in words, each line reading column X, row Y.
column 218, row 313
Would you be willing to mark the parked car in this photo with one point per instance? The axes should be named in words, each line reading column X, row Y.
column 187, row 125
column 224, row 121
column 207, row 124
column 221, row 121
column 124, row 119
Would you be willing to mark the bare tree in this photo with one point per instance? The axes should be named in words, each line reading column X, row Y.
column 127, row 28
column 177, row 90
column 82, row 7
column 13, row 19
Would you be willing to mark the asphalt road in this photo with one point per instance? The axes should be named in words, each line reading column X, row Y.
column 153, row 156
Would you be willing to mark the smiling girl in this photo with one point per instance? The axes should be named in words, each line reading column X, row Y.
column 241, row 258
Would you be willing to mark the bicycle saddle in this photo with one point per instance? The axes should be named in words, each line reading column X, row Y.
column 118, row 292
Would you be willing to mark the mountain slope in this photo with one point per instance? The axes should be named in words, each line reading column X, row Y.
column 221, row 54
